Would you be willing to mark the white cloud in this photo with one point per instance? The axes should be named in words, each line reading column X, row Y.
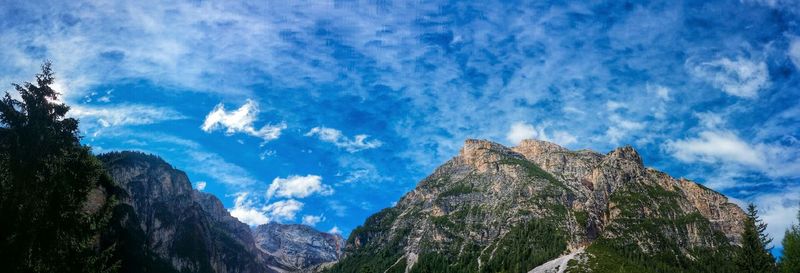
column 311, row 220
column 621, row 128
column 614, row 105
column 358, row 143
column 266, row 153
column 337, row 207
column 520, row 131
column 284, row 210
column 95, row 118
column 794, row 52
column 240, row 121
column 715, row 146
column 740, row 77
column 722, row 146
column 244, row 211
column 335, row 230
column 298, row 187
column 200, row 185
column 660, row 91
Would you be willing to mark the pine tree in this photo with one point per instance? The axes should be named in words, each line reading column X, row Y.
column 754, row 255
column 45, row 178
column 790, row 262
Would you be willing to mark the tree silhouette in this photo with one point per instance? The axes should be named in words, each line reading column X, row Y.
column 754, row 255
column 790, row 261
column 46, row 176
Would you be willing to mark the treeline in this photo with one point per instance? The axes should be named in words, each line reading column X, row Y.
column 754, row 256
column 53, row 191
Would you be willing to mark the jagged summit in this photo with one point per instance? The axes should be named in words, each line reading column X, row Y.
column 166, row 226
column 491, row 207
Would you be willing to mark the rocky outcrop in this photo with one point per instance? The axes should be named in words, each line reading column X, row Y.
column 164, row 225
column 298, row 247
column 482, row 208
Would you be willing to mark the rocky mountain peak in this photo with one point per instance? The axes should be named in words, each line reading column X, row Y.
column 532, row 148
column 484, row 155
column 626, row 153
column 190, row 231
column 481, row 209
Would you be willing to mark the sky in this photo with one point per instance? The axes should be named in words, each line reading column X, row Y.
column 323, row 112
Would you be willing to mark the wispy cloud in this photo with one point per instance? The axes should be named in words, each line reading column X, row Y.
column 794, row 52
column 357, row 143
column 738, row 77
column 520, row 131
column 240, row 120
column 95, row 118
column 312, row 220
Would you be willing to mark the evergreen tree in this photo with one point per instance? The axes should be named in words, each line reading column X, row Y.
column 754, row 255
column 45, row 177
column 790, row 262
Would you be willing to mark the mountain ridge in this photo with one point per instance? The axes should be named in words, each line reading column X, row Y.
column 477, row 211
column 180, row 229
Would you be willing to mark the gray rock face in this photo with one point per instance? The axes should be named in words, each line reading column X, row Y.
column 192, row 231
column 464, row 211
column 298, row 246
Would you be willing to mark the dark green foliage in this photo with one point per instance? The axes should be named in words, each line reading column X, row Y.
column 526, row 246
column 533, row 170
column 659, row 231
column 582, row 217
column 458, row 190
column 754, row 255
column 790, row 261
column 44, row 182
column 617, row 256
column 374, row 256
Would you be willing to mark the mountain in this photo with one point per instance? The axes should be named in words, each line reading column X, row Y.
column 161, row 224
column 498, row 209
column 299, row 246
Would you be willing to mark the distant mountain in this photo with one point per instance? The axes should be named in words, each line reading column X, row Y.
column 299, row 247
column 163, row 225
column 498, row 209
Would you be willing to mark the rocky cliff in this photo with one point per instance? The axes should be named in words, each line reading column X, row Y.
column 498, row 209
column 163, row 225
column 299, row 247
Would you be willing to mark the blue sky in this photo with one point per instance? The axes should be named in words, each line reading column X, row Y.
column 325, row 112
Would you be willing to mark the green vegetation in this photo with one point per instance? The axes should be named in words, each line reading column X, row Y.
column 754, row 255
column 457, row 190
column 374, row 256
column 45, row 178
column 618, row 256
column 790, row 261
column 527, row 246
column 533, row 170
column 657, row 246
column 524, row 247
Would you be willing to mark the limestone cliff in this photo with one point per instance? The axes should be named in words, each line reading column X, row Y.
column 492, row 208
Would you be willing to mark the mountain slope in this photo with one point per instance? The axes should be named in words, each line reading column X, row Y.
column 499, row 209
column 298, row 246
column 163, row 225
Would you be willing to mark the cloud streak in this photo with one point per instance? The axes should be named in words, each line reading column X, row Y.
column 334, row 136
